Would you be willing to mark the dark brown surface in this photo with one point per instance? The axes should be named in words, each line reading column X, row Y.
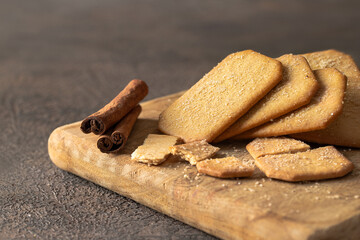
column 62, row 60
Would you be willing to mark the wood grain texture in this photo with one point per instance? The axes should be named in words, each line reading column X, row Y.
column 258, row 208
column 62, row 60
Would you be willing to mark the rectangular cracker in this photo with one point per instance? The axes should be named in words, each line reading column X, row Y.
column 223, row 95
column 316, row 164
column 295, row 90
column 228, row 167
column 195, row 151
column 155, row 149
column 270, row 146
column 345, row 130
column 325, row 106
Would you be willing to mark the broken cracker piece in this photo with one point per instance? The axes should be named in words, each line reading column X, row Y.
column 270, row 146
column 317, row 164
column 155, row 149
column 228, row 167
column 195, row 151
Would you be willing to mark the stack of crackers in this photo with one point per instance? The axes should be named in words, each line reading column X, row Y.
column 249, row 95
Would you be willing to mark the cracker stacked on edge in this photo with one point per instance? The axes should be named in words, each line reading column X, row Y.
column 221, row 97
column 297, row 88
column 323, row 109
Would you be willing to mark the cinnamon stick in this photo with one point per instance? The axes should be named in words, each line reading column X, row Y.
column 114, row 139
column 114, row 111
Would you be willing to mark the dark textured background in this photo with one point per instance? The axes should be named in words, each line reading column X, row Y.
column 62, row 60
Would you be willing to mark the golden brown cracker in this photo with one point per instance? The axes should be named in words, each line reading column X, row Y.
column 223, row 95
column 155, row 149
column 270, row 146
column 345, row 130
column 325, row 106
column 195, row 151
column 228, row 167
column 333, row 59
column 295, row 90
column 316, row 164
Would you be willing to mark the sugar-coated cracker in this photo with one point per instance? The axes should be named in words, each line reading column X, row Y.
column 345, row 130
column 155, row 149
column 228, row 167
column 195, row 151
column 295, row 90
column 316, row 164
column 221, row 97
column 324, row 108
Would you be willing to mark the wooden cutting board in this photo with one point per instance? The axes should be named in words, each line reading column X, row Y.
column 248, row 208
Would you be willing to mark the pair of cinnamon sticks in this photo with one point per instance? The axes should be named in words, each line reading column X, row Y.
column 115, row 120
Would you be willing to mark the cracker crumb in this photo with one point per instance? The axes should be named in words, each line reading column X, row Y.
column 249, row 189
column 333, row 196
